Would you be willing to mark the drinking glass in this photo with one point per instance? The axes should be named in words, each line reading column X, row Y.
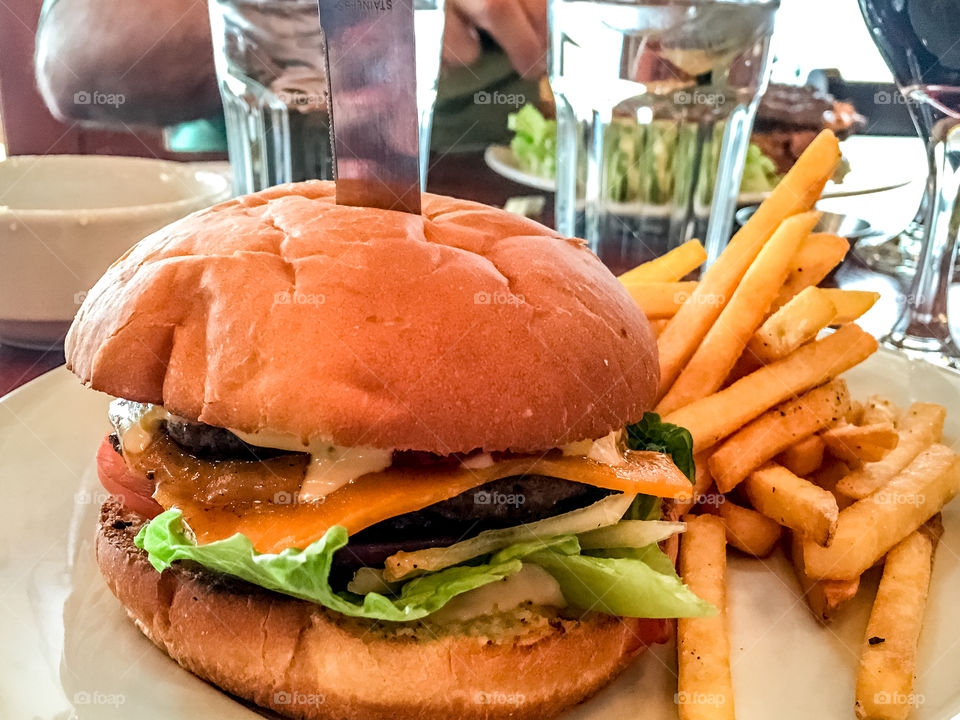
column 270, row 58
column 918, row 41
column 655, row 104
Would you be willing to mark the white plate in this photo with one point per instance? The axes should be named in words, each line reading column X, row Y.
column 860, row 180
column 68, row 650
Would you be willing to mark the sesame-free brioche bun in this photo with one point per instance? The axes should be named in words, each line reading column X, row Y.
column 467, row 328
column 304, row 661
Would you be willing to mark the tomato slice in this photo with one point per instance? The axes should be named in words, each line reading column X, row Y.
column 134, row 490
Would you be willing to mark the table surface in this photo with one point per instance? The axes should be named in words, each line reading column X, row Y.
column 466, row 175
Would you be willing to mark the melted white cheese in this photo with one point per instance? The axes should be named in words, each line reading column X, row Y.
column 135, row 423
column 608, row 450
column 330, row 467
column 532, row 584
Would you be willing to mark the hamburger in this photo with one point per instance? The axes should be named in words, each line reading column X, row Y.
column 789, row 117
column 370, row 464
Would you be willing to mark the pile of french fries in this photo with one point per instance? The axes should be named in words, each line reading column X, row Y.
column 783, row 453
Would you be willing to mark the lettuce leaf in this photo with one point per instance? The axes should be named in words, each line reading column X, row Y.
column 305, row 573
column 651, row 433
column 628, row 582
column 535, row 143
column 624, row 586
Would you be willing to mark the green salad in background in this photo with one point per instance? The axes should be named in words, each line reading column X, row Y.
column 642, row 161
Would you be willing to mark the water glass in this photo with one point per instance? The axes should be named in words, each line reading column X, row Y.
column 271, row 67
column 655, row 105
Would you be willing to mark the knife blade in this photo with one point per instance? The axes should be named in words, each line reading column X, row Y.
column 372, row 73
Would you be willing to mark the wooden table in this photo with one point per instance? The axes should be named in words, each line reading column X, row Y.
column 467, row 176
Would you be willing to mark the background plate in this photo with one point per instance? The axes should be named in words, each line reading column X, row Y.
column 68, row 650
column 870, row 170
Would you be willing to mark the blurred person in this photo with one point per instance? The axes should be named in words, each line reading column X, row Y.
column 119, row 64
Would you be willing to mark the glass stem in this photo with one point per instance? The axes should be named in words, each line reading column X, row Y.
column 923, row 323
column 736, row 139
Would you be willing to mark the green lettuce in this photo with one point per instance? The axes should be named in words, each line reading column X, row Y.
column 633, row 583
column 643, row 160
column 651, row 433
column 535, row 143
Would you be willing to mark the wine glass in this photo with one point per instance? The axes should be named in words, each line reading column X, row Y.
column 918, row 41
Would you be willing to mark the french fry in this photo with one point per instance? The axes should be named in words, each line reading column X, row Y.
column 660, row 300
column 794, row 324
column 796, row 193
column 705, row 686
column 803, row 457
column 740, row 317
column 857, row 444
column 888, row 658
column 831, row 472
column 816, row 257
column 714, row 417
column 793, row 502
column 879, row 409
column 825, row 597
column 850, row 304
column 870, row 527
column 855, row 416
column 920, row 427
column 747, row 530
column 672, row 266
column 776, row 430
column 658, row 326
column 746, row 364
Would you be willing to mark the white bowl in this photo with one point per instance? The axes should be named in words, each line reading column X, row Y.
column 65, row 218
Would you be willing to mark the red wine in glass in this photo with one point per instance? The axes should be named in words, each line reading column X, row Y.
column 920, row 41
